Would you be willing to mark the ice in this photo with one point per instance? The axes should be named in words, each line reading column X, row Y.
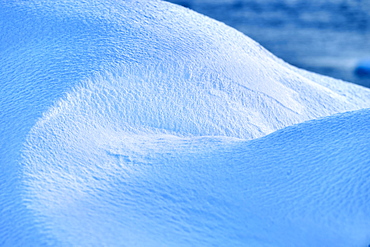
column 136, row 123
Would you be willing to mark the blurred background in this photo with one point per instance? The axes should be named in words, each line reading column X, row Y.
column 330, row 37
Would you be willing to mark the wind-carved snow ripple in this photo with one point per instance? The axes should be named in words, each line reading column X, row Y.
column 129, row 158
column 93, row 180
column 150, row 150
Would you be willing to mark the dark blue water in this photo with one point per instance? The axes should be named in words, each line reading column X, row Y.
column 328, row 37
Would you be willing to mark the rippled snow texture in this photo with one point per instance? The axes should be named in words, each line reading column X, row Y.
column 135, row 123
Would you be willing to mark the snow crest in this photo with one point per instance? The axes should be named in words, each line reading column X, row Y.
column 137, row 122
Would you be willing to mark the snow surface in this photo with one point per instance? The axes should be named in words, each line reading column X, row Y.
column 329, row 37
column 306, row 185
column 135, row 123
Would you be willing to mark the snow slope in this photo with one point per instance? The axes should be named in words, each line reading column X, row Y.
column 328, row 37
column 91, row 86
column 305, row 185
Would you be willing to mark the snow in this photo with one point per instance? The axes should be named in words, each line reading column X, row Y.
column 144, row 123
column 306, row 185
column 327, row 37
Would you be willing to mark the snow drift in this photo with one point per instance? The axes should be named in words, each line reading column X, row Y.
column 111, row 112
column 306, row 185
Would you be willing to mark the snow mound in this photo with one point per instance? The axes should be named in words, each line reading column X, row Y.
column 97, row 91
column 170, row 53
column 306, row 185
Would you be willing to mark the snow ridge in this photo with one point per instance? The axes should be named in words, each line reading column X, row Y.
column 137, row 122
